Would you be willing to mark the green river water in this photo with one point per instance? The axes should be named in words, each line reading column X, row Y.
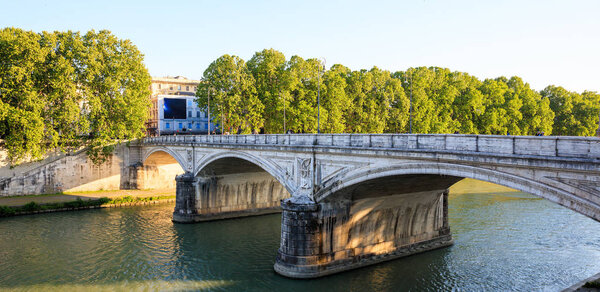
column 503, row 241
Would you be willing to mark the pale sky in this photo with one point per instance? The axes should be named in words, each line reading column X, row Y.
column 544, row 42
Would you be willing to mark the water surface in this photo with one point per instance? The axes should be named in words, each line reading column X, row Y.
column 503, row 241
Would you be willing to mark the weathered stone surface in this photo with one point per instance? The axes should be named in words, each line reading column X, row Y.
column 227, row 196
column 362, row 232
column 74, row 172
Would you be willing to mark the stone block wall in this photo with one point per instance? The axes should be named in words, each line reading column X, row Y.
column 326, row 238
column 67, row 173
column 229, row 196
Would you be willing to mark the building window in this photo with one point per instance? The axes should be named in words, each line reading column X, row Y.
column 159, row 87
column 190, row 126
column 198, row 126
column 206, row 126
column 189, row 114
column 190, row 103
column 180, row 125
column 167, row 126
column 170, row 87
column 197, row 114
column 178, row 87
column 187, row 88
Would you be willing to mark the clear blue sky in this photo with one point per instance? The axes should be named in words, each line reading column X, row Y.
column 544, row 42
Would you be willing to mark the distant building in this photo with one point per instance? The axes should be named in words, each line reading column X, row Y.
column 174, row 110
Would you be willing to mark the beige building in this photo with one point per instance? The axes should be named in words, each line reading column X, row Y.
column 177, row 87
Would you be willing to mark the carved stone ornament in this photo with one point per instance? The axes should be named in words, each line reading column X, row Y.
column 305, row 173
column 190, row 159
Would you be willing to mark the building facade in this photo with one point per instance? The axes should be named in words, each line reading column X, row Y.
column 174, row 110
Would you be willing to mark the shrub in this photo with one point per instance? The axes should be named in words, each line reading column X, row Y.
column 31, row 206
column 6, row 211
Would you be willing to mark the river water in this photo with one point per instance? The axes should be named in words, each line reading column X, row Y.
column 503, row 241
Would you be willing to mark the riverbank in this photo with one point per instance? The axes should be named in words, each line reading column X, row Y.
column 25, row 205
column 588, row 285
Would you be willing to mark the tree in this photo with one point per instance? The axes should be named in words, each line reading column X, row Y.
column 561, row 103
column 63, row 91
column 272, row 85
column 234, row 102
column 468, row 106
column 303, row 85
column 116, row 86
column 334, row 100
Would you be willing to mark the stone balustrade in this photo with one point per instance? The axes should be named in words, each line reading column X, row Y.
column 548, row 146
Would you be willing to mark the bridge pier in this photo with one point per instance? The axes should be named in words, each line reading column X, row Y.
column 185, row 198
column 206, row 198
column 319, row 239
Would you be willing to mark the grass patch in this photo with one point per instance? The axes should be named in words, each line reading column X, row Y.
column 33, row 206
column 32, row 196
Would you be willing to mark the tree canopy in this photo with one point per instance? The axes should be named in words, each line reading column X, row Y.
column 271, row 89
column 65, row 90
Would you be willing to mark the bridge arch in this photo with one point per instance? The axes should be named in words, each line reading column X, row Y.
column 357, row 176
column 271, row 168
column 163, row 153
column 160, row 166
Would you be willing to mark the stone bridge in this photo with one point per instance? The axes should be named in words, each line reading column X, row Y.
column 350, row 200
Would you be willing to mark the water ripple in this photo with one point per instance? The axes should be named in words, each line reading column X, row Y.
column 502, row 243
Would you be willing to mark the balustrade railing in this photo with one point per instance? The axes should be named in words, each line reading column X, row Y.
column 557, row 146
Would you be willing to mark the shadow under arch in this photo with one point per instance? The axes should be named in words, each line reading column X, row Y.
column 356, row 177
column 230, row 162
column 160, row 166
column 230, row 184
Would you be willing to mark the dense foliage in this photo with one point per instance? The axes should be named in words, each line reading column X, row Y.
column 257, row 94
column 64, row 90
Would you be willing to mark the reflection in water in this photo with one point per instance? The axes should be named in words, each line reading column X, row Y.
column 503, row 241
column 155, row 285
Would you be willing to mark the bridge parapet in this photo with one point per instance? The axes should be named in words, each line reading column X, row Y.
column 548, row 146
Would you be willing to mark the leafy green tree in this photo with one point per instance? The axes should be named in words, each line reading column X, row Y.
column 64, row 91
column 334, row 100
column 116, row 86
column 562, row 103
column 234, row 102
column 495, row 118
column 536, row 114
column 468, row 105
column 303, row 85
column 416, row 83
column 272, row 86
column 576, row 114
column 22, row 125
